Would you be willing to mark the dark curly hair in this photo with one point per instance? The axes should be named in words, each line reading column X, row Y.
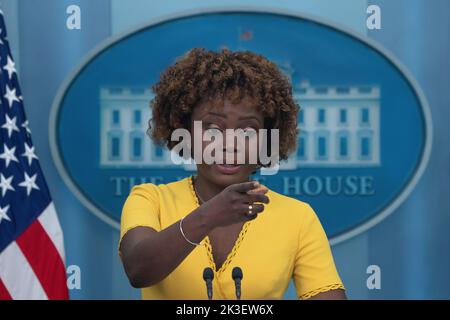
column 200, row 73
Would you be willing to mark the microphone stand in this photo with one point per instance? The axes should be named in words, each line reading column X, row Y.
column 208, row 276
column 237, row 277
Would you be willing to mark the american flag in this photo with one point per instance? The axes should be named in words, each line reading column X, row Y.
column 31, row 240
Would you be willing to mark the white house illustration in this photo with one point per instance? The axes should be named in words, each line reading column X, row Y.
column 124, row 115
column 339, row 127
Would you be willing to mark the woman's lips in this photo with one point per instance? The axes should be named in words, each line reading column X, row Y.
column 228, row 168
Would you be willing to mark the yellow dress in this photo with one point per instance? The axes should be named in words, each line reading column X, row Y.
column 285, row 241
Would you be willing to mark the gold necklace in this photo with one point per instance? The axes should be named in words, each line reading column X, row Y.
column 195, row 190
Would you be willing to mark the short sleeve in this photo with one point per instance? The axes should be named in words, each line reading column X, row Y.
column 141, row 209
column 314, row 269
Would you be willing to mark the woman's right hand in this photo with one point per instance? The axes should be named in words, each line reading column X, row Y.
column 231, row 205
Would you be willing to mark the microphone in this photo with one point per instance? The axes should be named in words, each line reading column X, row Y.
column 208, row 276
column 237, row 277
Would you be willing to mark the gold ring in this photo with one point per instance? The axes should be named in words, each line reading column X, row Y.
column 250, row 207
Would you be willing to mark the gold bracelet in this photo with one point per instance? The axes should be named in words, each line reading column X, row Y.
column 184, row 236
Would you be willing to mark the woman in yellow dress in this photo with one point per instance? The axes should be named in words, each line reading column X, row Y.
column 219, row 217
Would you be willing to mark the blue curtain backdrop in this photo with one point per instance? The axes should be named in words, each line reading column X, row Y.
column 411, row 246
column 418, row 33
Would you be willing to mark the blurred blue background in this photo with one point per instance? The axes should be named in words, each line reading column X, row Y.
column 411, row 246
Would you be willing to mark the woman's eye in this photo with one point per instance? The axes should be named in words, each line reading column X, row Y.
column 249, row 132
column 213, row 130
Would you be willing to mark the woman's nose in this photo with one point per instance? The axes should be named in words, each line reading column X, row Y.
column 232, row 144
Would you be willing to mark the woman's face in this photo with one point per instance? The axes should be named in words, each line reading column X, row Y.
column 215, row 118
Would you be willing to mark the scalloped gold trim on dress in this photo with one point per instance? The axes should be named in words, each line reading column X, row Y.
column 207, row 242
column 322, row 289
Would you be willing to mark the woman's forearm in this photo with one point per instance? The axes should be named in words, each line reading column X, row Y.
column 149, row 256
column 154, row 257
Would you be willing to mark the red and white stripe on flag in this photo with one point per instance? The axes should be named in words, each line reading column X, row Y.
column 32, row 267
